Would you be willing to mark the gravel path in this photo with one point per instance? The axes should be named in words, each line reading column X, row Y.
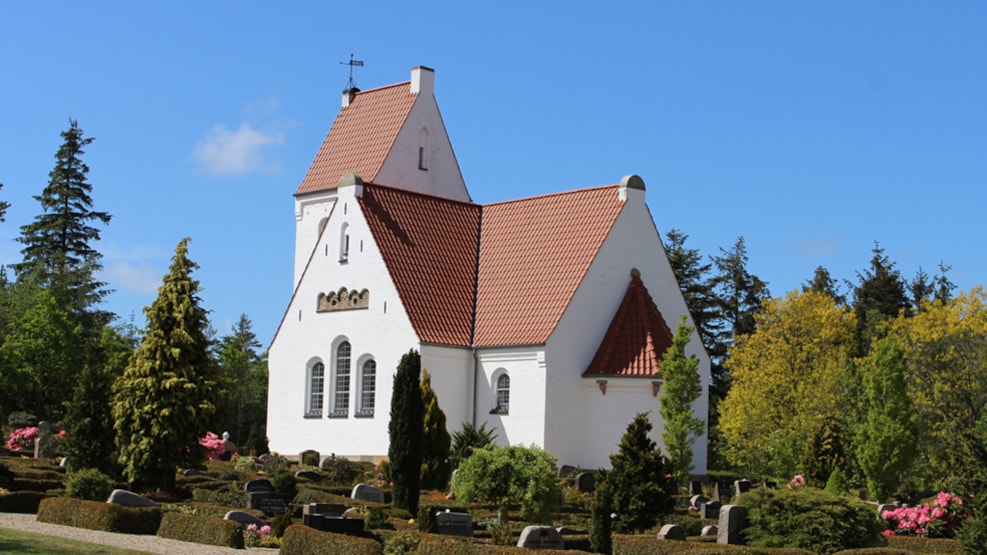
column 147, row 544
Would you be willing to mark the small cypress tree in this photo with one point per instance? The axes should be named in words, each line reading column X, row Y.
column 436, row 441
column 600, row 536
column 682, row 387
column 638, row 480
column 405, row 430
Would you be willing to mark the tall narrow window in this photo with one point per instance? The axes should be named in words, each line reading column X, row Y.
column 341, row 396
column 423, row 149
column 316, row 384
column 344, row 242
column 503, row 394
column 368, row 388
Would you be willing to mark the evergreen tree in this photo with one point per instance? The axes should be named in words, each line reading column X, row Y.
column 638, row 480
column 822, row 282
column 681, row 388
column 879, row 295
column 405, row 430
column 165, row 399
column 943, row 287
column 921, row 290
column 58, row 242
column 4, row 205
column 601, row 533
column 436, row 441
column 693, row 277
column 470, row 438
column 244, row 382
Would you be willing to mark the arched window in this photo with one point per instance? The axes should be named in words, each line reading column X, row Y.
column 316, row 385
column 344, row 242
column 341, row 391
column 503, row 394
column 368, row 388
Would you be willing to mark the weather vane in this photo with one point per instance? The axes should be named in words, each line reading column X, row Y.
column 352, row 63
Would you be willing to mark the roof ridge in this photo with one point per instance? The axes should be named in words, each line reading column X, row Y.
column 420, row 194
column 557, row 194
column 382, row 87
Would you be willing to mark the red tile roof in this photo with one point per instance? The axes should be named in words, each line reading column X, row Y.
column 429, row 245
column 534, row 252
column 361, row 137
column 637, row 338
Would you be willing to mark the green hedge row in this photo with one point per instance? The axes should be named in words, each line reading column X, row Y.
column 35, row 484
column 925, row 545
column 21, row 502
column 650, row 545
column 209, row 530
column 94, row 515
column 303, row 540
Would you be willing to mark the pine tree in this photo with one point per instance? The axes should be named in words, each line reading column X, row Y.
column 405, row 430
column 244, row 382
column 693, row 278
column 879, row 295
column 165, row 399
column 681, row 388
column 638, row 480
column 467, row 440
column 436, row 441
column 4, row 205
column 822, row 282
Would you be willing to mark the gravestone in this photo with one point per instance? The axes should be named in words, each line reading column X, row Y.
column 723, row 491
column 540, row 537
column 567, row 470
column 695, row 487
column 229, row 446
column 130, row 499
column 307, row 453
column 770, row 484
column 269, row 502
column 708, row 531
column 244, row 518
column 454, row 524
column 44, row 444
column 733, row 520
column 365, row 492
column 310, row 475
column 671, row 532
column 696, row 500
column 328, row 509
column 741, row 486
column 586, row 481
column 188, row 472
column 262, row 485
column 710, row 510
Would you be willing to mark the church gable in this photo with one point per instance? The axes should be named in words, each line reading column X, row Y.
column 637, row 338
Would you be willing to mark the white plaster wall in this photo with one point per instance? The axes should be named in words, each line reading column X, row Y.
column 309, row 211
column 525, row 424
column 584, row 426
column 400, row 169
column 382, row 331
column 451, row 369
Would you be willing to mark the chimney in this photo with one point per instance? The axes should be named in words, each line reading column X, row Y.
column 422, row 80
column 630, row 183
column 348, row 95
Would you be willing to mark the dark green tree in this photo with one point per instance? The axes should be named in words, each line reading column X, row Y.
column 58, row 243
column 822, row 282
column 823, row 453
column 4, row 205
column 601, row 532
column 693, row 277
column 243, row 388
column 681, row 388
column 470, row 438
column 405, row 430
column 879, row 294
column 436, row 441
column 165, row 400
column 638, row 480
column 943, row 287
column 921, row 290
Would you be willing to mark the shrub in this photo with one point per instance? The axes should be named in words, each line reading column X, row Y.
column 21, row 419
column 940, row 519
column 275, row 464
column 377, row 519
column 302, row 540
column 810, row 519
column 402, row 543
column 201, row 529
column 22, row 438
column 93, row 515
column 24, row 502
column 286, row 483
column 244, row 464
column 339, row 471
column 514, row 475
column 90, row 484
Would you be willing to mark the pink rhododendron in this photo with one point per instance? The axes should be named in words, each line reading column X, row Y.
column 941, row 519
column 214, row 446
column 22, row 438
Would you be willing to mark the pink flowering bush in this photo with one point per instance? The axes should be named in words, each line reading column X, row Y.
column 22, row 438
column 214, row 446
column 797, row 482
column 939, row 519
column 255, row 537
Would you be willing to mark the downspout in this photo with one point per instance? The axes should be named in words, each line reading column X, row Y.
column 476, row 288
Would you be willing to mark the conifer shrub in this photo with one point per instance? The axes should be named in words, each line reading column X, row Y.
column 601, row 533
column 90, row 484
column 311, row 459
column 206, row 530
column 809, row 518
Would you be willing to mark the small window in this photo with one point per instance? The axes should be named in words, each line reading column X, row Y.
column 316, row 384
column 344, row 243
column 341, row 396
column 423, row 149
column 503, row 395
column 368, row 388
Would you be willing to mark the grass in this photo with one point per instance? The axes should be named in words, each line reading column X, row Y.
column 12, row 541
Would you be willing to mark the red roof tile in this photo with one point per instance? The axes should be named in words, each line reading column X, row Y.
column 429, row 245
column 533, row 254
column 361, row 137
column 637, row 338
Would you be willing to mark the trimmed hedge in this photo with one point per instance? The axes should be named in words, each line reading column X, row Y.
column 434, row 544
column 926, row 545
column 209, row 530
column 21, row 502
column 625, row 544
column 303, row 540
column 93, row 515
column 35, row 484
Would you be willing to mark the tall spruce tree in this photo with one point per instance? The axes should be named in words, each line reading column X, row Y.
column 405, row 430
column 165, row 399
column 436, row 441
column 4, row 205
column 681, row 388
column 244, row 382
column 880, row 294
column 822, row 282
column 693, row 276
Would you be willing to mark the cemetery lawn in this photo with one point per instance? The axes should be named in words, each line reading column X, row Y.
column 13, row 541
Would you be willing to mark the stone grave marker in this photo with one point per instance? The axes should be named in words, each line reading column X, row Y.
column 696, row 500
column 540, row 537
column 44, row 444
column 366, row 492
column 454, row 524
column 262, row 485
column 741, row 486
column 309, row 475
column 723, row 491
column 710, row 510
column 695, row 487
column 770, row 484
column 586, row 481
column 194, row 472
column 328, row 509
column 567, row 470
column 671, row 532
column 270, row 503
column 733, row 520
column 130, row 499
column 244, row 518
column 708, row 531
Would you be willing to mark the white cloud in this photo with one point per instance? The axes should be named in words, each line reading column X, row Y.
column 813, row 248
column 226, row 152
column 132, row 278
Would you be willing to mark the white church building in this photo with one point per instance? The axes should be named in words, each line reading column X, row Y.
column 544, row 318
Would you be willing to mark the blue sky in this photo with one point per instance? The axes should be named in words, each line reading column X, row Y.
column 812, row 129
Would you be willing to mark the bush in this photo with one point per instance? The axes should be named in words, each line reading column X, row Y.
column 302, row 540
column 518, row 475
column 21, row 419
column 89, row 484
column 311, row 459
column 201, row 529
column 244, row 464
column 24, row 502
column 286, row 483
column 105, row 517
column 810, row 519
column 275, row 464
column 647, row 545
column 402, row 543
column 36, row 484
column 339, row 471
